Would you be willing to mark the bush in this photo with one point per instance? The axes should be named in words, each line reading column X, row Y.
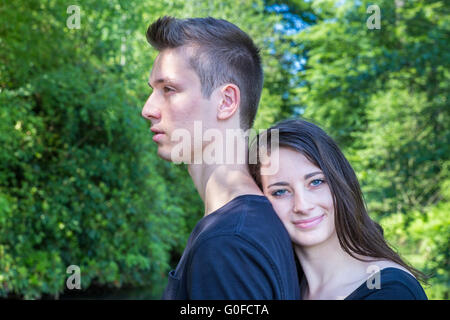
column 422, row 239
column 76, row 188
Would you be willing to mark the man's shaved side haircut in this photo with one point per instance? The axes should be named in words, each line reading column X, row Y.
column 221, row 53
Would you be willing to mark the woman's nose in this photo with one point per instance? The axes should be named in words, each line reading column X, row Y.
column 302, row 203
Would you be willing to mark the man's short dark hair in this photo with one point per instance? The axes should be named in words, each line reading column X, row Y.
column 223, row 53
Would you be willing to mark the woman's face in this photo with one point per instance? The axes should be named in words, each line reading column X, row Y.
column 301, row 197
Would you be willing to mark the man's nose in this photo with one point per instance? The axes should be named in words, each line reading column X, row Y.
column 150, row 111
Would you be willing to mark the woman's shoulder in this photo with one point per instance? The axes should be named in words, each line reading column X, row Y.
column 398, row 284
column 389, row 281
column 386, row 264
column 394, row 276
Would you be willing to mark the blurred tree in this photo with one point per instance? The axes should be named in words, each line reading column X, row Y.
column 76, row 180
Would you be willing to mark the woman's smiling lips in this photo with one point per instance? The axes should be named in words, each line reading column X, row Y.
column 309, row 223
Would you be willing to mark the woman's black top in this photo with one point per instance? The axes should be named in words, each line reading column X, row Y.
column 392, row 284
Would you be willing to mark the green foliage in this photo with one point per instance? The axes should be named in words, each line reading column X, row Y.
column 423, row 238
column 77, row 178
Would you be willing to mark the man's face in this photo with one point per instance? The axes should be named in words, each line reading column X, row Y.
column 176, row 101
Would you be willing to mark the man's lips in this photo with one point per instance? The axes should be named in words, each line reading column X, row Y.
column 308, row 223
column 154, row 130
column 158, row 134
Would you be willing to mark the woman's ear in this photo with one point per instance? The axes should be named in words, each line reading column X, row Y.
column 230, row 101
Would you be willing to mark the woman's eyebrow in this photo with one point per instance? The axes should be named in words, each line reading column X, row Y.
column 281, row 183
column 309, row 175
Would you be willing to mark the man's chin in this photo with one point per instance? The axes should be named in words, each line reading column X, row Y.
column 163, row 154
column 168, row 156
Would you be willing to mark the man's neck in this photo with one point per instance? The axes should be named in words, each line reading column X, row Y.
column 219, row 184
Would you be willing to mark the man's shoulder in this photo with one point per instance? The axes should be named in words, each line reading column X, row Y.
column 244, row 214
column 245, row 235
column 249, row 218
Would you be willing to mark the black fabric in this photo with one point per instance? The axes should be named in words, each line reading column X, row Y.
column 240, row 251
column 395, row 284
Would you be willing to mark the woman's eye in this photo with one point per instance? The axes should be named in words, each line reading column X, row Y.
column 317, row 182
column 279, row 193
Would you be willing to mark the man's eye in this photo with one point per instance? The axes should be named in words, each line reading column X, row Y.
column 168, row 89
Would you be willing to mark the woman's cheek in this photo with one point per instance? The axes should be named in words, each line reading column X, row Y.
column 280, row 208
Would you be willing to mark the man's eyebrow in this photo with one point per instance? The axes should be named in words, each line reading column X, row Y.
column 162, row 80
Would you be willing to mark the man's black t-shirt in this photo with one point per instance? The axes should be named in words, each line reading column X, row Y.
column 240, row 251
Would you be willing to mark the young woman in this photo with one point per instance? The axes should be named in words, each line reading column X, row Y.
column 315, row 192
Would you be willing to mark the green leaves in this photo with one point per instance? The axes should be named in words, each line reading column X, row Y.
column 77, row 184
column 423, row 238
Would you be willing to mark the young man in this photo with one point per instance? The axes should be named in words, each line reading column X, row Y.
column 208, row 78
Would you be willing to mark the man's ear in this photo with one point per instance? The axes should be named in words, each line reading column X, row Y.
column 229, row 102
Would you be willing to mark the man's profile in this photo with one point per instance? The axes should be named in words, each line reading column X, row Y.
column 209, row 70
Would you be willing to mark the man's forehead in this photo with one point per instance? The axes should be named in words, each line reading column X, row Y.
column 169, row 65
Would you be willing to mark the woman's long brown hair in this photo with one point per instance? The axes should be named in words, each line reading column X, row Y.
column 356, row 231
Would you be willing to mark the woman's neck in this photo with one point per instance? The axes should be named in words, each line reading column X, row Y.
column 327, row 267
